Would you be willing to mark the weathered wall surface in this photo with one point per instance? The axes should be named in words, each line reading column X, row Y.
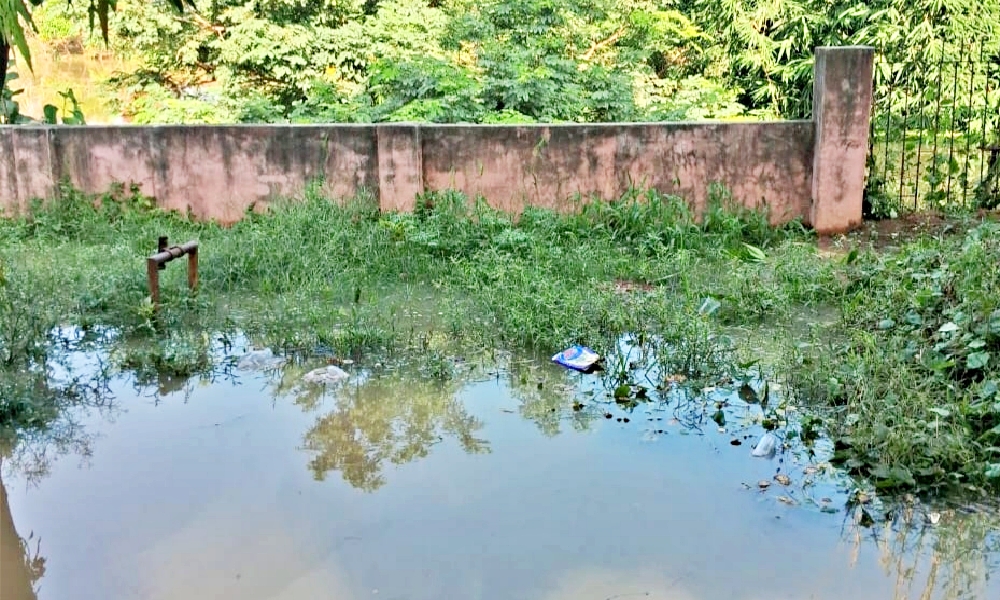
column 26, row 168
column 547, row 165
column 218, row 172
column 812, row 170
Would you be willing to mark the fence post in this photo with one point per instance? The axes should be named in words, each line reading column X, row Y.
column 842, row 104
column 400, row 166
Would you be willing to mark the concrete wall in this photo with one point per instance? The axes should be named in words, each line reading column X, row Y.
column 546, row 165
column 812, row 170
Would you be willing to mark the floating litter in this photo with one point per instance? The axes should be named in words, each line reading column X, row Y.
column 578, row 358
column 766, row 447
column 326, row 375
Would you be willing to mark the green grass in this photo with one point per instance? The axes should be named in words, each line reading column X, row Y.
column 909, row 404
column 914, row 377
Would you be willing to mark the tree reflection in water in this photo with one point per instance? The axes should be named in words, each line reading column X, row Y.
column 952, row 560
column 41, row 423
column 545, row 394
column 394, row 418
column 21, row 564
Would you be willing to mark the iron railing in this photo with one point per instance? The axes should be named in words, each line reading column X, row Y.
column 935, row 131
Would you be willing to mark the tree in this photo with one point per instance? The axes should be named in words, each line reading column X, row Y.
column 766, row 46
column 14, row 15
column 15, row 18
column 420, row 60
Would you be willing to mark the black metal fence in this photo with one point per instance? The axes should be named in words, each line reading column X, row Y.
column 935, row 131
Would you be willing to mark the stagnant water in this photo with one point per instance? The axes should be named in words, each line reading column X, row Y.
column 393, row 486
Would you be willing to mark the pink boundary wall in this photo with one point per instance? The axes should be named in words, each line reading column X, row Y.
column 813, row 170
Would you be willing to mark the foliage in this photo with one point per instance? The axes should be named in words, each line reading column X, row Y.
column 10, row 110
column 33, row 399
column 936, row 127
column 457, row 61
column 24, row 323
column 152, row 103
column 913, row 372
column 767, row 46
column 338, row 256
column 15, row 17
column 520, row 60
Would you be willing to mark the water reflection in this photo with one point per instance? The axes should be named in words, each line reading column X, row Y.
column 390, row 419
column 952, row 559
column 21, row 564
column 395, row 416
column 611, row 514
column 43, row 404
column 544, row 394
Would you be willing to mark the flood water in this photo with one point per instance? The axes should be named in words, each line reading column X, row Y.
column 392, row 486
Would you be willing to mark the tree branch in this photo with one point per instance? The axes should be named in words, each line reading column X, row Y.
column 206, row 25
column 614, row 37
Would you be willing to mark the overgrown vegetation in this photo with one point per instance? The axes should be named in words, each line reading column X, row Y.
column 903, row 375
column 500, row 60
column 915, row 379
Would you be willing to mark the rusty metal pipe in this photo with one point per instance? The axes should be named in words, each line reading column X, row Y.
column 173, row 252
column 153, row 270
column 161, row 245
column 193, row 268
column 158, row 261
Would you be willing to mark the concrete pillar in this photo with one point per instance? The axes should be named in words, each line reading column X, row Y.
column 400, row 167
column 842, row 102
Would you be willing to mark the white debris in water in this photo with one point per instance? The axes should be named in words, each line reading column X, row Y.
column 326, row 375
column 260, row 359
column 766, row 447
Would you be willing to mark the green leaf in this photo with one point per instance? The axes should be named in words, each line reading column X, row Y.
column 753, row 253
column 892, row 477
column 51, row 114
column 993, row 471
column 978, row 360
column 14, row 16
column 948, row 327
column 886, row 324
column 941, row 412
